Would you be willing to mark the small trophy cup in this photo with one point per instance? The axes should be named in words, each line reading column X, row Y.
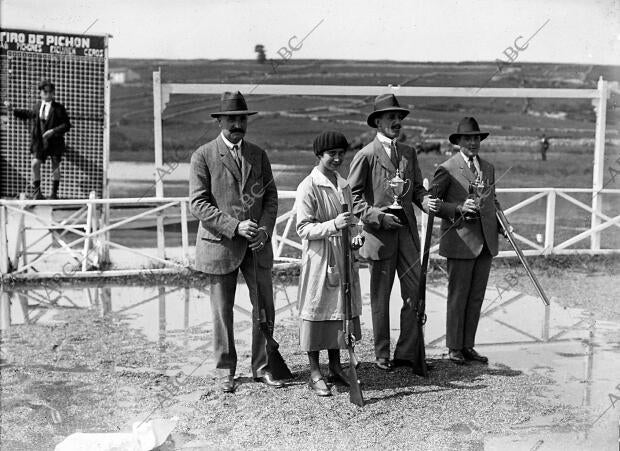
column 477, row 189
column 398, row 187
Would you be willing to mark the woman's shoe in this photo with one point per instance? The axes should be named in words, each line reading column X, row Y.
column 319, row 387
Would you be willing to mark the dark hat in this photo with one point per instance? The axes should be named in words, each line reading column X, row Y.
column 467, row 126
column 233, row 103
column 329, row 140
column 383, row 103
column 46, row 84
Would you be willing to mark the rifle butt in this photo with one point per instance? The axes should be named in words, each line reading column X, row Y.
column 355, row 390
column 277, row 365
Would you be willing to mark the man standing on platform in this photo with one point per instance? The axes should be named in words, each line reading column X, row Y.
column 392, row 242
column 49, row 123
column 465, row 183
column 233, row 194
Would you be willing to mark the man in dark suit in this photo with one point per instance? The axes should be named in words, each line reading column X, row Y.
column 49, row 123
column 233, row 194
column 465, row 183
column 392, row 243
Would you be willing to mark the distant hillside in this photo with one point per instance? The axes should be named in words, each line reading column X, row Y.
column 291, row 122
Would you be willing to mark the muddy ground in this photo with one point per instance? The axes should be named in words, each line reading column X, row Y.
column 84, row 372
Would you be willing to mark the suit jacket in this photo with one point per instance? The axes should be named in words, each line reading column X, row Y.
column 57, row 120
column 221, row 196
column 462, row 238
column 370, row 169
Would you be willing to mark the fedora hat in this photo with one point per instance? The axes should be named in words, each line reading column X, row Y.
column 383, row 103
column 232, row 103
column 467, row 127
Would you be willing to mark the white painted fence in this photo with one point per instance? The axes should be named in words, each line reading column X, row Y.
column 88, row 248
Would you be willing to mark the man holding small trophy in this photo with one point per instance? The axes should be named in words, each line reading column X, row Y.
column 386, row 181
column 465, row 183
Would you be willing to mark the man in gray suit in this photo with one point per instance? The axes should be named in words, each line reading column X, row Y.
column 233, row 194
column 465, row 183
column 392, row 242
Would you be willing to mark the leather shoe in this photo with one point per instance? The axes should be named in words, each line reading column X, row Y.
column 456, row 356
column 319, row 387
column 228, row 385
column 338, row 376
column 384, row 364
column 471, row 354
column 269, row 380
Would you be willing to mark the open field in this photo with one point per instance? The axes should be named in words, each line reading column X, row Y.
column 291, row 122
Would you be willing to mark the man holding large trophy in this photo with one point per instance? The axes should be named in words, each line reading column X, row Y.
column 386, row 181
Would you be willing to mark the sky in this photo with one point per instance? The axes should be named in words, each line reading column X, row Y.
column 559, row 31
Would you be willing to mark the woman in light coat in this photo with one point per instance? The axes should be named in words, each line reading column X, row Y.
column 319, row 223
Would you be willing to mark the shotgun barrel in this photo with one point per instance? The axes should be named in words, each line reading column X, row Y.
column 501, row 217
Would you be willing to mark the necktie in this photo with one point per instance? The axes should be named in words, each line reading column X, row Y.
column 43, row 113
column 472, row 166
column 394, row 154
column 235, row 149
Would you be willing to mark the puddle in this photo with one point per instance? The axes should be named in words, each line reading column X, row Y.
column 575, row 357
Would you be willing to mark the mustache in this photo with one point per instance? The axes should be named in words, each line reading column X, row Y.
column 237, row 130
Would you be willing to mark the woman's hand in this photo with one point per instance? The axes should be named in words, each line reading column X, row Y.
column 343, row 220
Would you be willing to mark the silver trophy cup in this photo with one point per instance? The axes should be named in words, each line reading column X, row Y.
column 398, row 188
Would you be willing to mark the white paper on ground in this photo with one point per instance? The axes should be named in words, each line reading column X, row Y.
column 144, row 437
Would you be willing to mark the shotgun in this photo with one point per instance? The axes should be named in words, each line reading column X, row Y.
column 501, row 217
column 421, row 368
column 275, row 361
column 345, row 337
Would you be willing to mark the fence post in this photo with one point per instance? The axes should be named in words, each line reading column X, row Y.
column 89, row 226
column 184, row 234
column 158, row 134
column 159, row 159
column 550, row 222
column 599, row 161
column 20, row 240
column 103, row 253
column 4, row 245
column 5, row 310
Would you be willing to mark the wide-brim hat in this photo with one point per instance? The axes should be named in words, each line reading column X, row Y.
column 468, row 126
column 384, row 103
column 231, row 104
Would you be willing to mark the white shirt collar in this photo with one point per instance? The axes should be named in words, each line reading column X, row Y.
column 45, row 109
column 229, row 144
column 385, row 142
column 384, row 139
column 475, row 160
column 465, row 157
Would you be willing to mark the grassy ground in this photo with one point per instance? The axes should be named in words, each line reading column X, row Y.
column 291, row 122
column 99, row 375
